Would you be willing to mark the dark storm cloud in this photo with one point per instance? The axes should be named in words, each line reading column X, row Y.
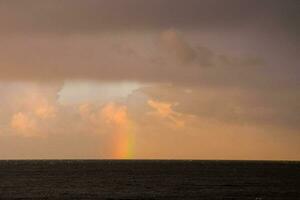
column 170, row 58
column 92, row 16
column 109, row 40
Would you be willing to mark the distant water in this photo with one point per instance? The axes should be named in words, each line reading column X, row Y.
column 203, row 180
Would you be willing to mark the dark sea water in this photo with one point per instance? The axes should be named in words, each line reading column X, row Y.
column 203, row 180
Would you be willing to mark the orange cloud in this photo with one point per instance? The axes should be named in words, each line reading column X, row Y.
column 45, row 111
column 114, row 114
column 164, row 110
column 23, row 124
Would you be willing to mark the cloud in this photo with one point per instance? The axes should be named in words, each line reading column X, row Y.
column 24, row 125
column 229, row 105
column 115, row 115
column 164, row 110
column 33, row 123
column 153, row 58
column 149, row 123
column 177, row 47
column 115, row 41
column 27, row 107
column 207, row 137
column 212, row 68
column 45, row 111
column 90, row 16
column 98, row 118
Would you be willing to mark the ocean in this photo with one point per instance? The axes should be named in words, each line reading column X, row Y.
column 149, row 179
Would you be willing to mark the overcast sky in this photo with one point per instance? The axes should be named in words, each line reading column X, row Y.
column 175, row 79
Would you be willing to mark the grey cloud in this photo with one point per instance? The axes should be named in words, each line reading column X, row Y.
column 162, row 57
column 149, row 41
column 176, row 46
column 92, row 16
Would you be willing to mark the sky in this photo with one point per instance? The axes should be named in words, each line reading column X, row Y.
column 159, row 79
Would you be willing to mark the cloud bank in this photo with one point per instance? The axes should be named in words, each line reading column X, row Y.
column 148, row 123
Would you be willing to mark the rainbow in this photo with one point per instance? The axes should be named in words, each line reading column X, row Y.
column 123, row 130
column 124, row 141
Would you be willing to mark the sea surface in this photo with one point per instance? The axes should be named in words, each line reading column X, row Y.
column 152, row 179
